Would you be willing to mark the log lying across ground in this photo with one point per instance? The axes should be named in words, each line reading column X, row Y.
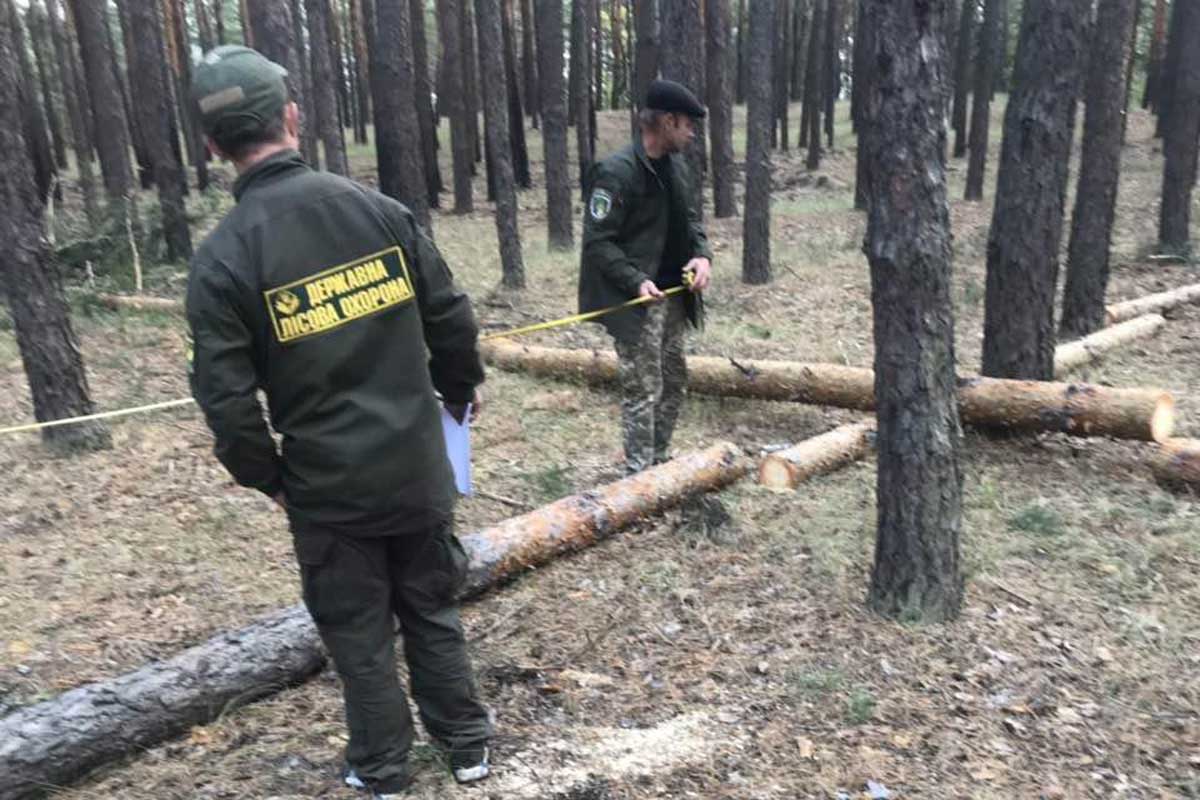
column 1153, row 303
column 1073, row 355
column 787, row 469
column 1177, row 464
column 133, row 302
column 1075, row 408
column 52, row 743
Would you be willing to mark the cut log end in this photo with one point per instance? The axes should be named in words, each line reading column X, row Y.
column 1162, row 421
column 830, row 451
column 1176, row 465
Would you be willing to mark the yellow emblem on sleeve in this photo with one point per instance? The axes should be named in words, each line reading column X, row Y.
column 336, row 296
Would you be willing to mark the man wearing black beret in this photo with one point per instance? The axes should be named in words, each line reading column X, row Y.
column 641, row 236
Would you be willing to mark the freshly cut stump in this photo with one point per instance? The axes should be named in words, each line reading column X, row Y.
column 1078, row 409
column 1073, row 355
column 1177, row 464
column 52, row 743
column 787, row 469
column 1153, row 303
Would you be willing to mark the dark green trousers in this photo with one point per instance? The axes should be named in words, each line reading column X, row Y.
column 356, row 588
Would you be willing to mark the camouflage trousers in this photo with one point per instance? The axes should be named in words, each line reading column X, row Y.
column 653, row 375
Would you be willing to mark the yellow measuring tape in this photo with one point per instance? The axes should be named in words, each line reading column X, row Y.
column 540, row 326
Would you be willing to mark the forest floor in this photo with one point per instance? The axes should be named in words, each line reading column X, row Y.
column 664, row 662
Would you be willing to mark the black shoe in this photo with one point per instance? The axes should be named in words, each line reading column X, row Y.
column 470, row 764
column 351, row 779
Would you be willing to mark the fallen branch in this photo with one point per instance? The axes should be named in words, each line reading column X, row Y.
column 1075, row 408
column 1153, row 303
column 787, row 469
column 1073, row 355
column 124, row 302
column 47, row 745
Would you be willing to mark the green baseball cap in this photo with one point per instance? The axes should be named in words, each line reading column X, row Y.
column 237, row 88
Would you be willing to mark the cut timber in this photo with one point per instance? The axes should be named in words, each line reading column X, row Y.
column 787, row 469
column 1080, row 409
column 1083, row 351
column 49, row 744
column 1153, row 303
column 118, row 302
column 46, row 745
column 506, row 550
column 1177, row 464
column 818, row 384
column 1076, row 408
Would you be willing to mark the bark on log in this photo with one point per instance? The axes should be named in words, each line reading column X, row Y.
column 118, row 302
column 1083, row 351
column 830, row 451
column 57, row 741
column 1075, row 408
column 1176, row 465
column 1153, row 303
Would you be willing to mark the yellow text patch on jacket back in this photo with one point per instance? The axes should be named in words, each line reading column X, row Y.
column 338, row 295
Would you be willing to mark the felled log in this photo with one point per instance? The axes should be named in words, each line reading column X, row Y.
column 49, row 744
column 1152, row 303
column 52, row 743
column 506, row 550
column 118, row 302
column 815, row 383
column 1177, row 464
column 787, row 469
column 1076, row 408
column 1073, row 355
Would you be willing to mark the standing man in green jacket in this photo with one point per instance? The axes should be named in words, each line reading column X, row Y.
column 641, row 236
column 329, row 298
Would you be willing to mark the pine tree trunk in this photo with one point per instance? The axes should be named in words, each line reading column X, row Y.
column 682, row 60
column 1099, row 170
column 529, row 63
column 219, row 16
column 33, row 116
column 1181, row 134
column 310, row 140
column 470, row 84
column 917, row 573
column 424, row 100
column 833, row 65
column 324, row 94
column 1130, row 63
column 39, row 37
column 720, row 106
column 981, row 98
column 1170, row 70
column 1000, row 79
column 179, row 50
column 108, row 110
column 37, row 305
column 75, row 100
column 781, row 65
column 337, row 53
column 273, row 33
column 397, row 131
column 454, row 104
column 148, row 69
column 1031, row 183
column 145, row 171
column 559, row 217
column 963, row 75
column 756, row 230
column 362, row 67
column 813, row 83
column 204, row 28
column 646, row 55
column 579, row 76
column 597, row 56
column 620, row 78
column 516, row 112
column 863, row 76
column 796, row 53
column 1154, row 63
column 739, row 93
column 495, row 109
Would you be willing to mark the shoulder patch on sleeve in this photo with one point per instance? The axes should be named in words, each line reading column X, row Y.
column 600, row 205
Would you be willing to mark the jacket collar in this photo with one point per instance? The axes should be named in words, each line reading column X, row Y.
column 639, row 150
column 269, row 168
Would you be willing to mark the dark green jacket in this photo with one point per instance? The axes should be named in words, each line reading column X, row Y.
column 625, row 234
column 328, row 297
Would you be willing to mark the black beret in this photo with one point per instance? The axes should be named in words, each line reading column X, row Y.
column 673, row 97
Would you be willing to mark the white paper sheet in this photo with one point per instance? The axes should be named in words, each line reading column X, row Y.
column 458, row 448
